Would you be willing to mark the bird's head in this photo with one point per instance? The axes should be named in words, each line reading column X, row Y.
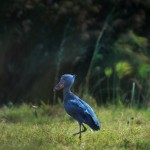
column 66, row 80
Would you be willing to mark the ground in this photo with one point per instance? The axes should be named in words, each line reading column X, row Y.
column 50, row 128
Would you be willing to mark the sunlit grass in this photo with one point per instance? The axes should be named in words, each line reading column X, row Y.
column 47, row 128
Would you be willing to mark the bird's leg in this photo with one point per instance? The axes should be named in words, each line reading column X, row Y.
column 80, row 132
column 84, row 129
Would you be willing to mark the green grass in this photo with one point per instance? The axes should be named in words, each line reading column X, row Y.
column 50, row 128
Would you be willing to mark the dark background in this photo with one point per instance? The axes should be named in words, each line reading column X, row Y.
column 104, row 42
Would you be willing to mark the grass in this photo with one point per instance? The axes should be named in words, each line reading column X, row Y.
column 49, row 127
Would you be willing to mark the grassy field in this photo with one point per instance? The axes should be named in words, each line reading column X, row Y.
column 50, row 128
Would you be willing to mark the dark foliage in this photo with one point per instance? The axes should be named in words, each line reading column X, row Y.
column 33, row 32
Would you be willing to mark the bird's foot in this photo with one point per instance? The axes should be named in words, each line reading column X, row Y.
column 80, row 137
column 76, row 133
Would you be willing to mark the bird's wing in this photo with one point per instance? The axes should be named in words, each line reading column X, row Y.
column 90, row 111
column 78, row 105
column 76, row 109
column 82, row 112
column 87, row 107
column 74, row 105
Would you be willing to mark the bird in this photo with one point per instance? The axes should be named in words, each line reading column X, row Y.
column 76, row 107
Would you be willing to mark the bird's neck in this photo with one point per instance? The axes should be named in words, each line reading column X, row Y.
column 67, row 93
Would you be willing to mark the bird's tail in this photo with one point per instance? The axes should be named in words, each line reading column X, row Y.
column 93, row 123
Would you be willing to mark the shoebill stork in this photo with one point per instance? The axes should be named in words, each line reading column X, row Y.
column 75, row 107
